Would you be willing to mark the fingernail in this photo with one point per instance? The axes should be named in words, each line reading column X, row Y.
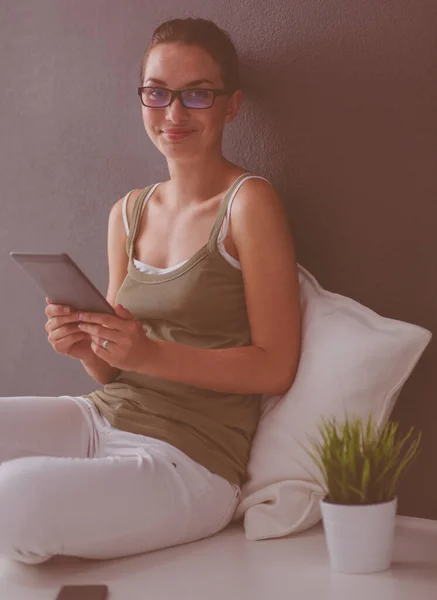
column 67, row 309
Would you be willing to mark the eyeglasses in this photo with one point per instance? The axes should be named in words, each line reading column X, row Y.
column 157, row 97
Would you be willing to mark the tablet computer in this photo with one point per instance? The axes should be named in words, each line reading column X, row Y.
column 62, row 281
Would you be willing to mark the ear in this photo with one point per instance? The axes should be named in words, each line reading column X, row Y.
column 233, row 107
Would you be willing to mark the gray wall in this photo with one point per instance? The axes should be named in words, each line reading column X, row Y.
column 339, row 113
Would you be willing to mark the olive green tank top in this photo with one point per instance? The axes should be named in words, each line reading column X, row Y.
column 202, row 304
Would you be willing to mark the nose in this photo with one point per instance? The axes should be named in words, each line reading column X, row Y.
column 176, row 111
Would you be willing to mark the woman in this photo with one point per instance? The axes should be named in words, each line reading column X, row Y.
column 207, row 320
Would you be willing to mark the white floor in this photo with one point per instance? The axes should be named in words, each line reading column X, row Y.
column 227, row 566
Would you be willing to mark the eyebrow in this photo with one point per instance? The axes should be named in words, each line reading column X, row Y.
column 195, row 82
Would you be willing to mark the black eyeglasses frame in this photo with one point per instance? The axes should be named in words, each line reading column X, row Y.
column 178, row 93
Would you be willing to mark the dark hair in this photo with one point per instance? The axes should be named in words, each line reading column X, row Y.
column 203, row 33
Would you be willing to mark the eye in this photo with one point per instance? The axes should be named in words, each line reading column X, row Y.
column 157, row 92
column 201, row 94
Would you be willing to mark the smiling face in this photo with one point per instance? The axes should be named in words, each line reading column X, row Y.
column 180, row 66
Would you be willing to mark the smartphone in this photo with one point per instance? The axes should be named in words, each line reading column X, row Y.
column 62, row 281
column 83, row 592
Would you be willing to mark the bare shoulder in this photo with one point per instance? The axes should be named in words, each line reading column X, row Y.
column 117, row 208
column 260, row 225
column 257, row 199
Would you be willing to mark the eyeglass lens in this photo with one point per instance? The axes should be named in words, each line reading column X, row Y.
column 157, row 97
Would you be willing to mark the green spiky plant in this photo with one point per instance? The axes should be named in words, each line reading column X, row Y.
column 358, row 465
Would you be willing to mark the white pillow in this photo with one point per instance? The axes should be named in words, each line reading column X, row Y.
column 352, row 360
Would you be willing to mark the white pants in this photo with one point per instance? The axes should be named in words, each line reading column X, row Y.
column 72, row 484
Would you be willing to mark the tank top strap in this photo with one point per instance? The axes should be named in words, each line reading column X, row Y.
column 136, row 215
column 212, row 242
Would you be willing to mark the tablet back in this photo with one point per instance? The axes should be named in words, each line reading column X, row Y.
column 62, row 281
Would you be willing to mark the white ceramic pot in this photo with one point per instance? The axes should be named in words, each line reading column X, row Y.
column 359, row 537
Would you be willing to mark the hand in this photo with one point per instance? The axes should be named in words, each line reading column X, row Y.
column 64, row 335
column 127, row 346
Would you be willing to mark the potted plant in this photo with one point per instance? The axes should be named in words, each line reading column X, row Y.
column 361, row 470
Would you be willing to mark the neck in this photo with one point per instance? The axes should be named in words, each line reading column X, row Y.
column 197, row 179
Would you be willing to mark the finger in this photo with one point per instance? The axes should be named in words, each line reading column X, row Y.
column 52, row 310
column 64, row 344
column 99, row 331
column 96, row 348
column 100, row 351
column 57, row 333
column 56, row 322
column 123, row 312
column 97, row 341
column 110, row 321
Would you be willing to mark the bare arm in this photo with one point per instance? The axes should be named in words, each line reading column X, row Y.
column 239, row 370
column 95, row 366
column 99, row 369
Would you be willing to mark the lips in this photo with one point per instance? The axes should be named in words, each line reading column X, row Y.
column 176, row 134
column 177, row 131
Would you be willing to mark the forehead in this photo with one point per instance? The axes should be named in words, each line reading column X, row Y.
column 177, row 64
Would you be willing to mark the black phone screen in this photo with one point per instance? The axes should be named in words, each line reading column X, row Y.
column 83, row 592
